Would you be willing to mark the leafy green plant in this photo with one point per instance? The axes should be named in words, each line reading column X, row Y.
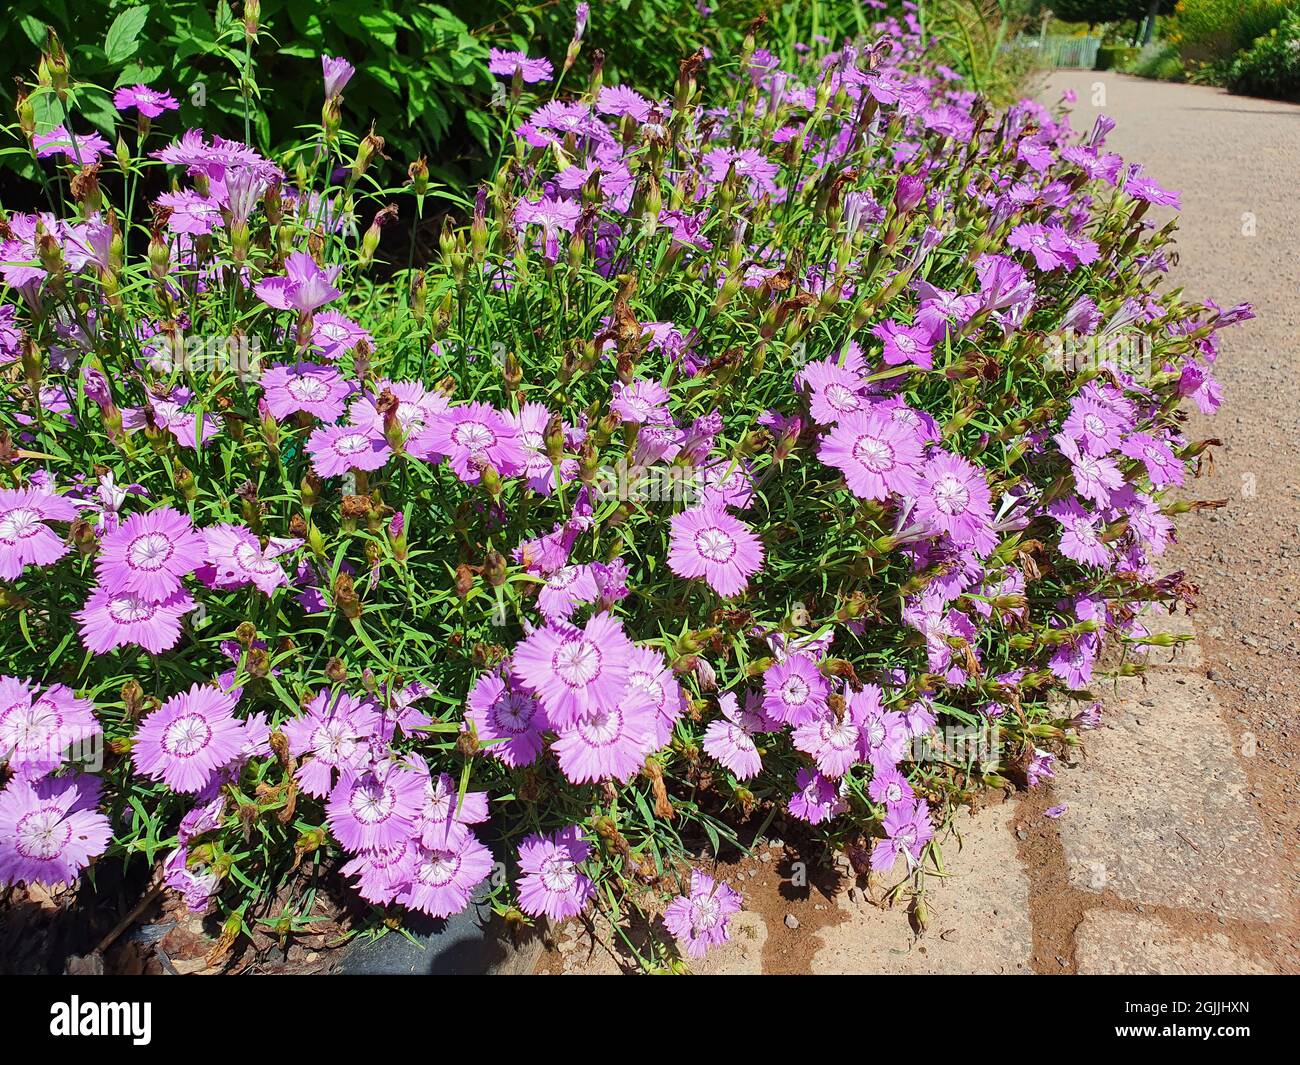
column 1160, row 61
column 1208, row 30
column 1271, row 66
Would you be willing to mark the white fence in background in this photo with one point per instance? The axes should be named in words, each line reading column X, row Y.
column 1078, row 52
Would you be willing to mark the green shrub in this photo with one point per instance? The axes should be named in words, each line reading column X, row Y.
column 421, row 67
column 1116, row 56
column 1161, row 62
column 1271, row 67
column 1207, row 30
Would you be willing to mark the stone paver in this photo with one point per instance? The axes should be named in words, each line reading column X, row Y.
column 1158, row 810
column 979, row 916
column 1109, row 943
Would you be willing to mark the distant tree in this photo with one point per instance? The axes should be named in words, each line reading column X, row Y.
column 1095, row 11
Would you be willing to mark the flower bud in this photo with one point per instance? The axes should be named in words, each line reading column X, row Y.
column 494, row 569
column 418, row 172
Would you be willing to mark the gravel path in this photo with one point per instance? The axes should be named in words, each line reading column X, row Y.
column 1236, row 161
column 1177, row 853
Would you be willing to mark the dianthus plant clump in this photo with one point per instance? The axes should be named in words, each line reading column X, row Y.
column 735, row 452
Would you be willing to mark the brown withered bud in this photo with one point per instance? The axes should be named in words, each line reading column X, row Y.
column 386, row 404
column 345, row 596
column 467, row 743
column 259, row 662
column 132, row 699
column 247, row 818
column 336, row 671
column 298, row 527
column 494, row 569
column 654, row 772
column 85, row 187
column 83, row 537
column 280, row 748
column 858, row 852
column 355, row 507
column 609, row 834
column 246, row 633
column 512, row 371
column 464, row 580
column 839, row 667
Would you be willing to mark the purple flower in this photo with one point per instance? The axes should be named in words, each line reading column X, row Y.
column 304, row 286
column 731, row 739
column 609, row 742
column 909, row 192
column 576, row 672
column 907, row 831
column 82, row 149
column 50, row 831
column 442, row 878
column 1079, row 537
column 836, row 391
column 816, row 798
column 307, row 387
column 641, row 402
column 25, row 538
column 564, row 590
column 620, row 101
column 702, row 919
column 709, row 543
column 552, row 884
column 474, row 436
column 149, row 102
column 122, row 619
column 148, row 554
column 336, row 449
column 1094, row 425
column 37, row 733
column 333, row 335
column 376, row 807
column 649, row 674
column 794, row 690
column 1040, row 766
column 508, row 64
column 905, row 344
column 1163, row 467
column 236, row 557
column 189, row 738
column 877, row 455
column 507, row 720
column 337, row 74
column 955, row 498
column 552, row 216
column 888, row 786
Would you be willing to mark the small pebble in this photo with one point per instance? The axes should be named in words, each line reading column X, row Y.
column 791, row 921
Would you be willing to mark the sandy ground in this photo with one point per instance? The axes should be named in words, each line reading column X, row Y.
column 1236, row 161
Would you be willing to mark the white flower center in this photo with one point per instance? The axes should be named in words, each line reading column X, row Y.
column 43, row 833
column 127, row 609
column 371, row 803
column 715, row 545
column 950, row 495
column 873, row 453
column 187, row 736
column 558, row 874
column 576, row 663
column 149, row 552
column 19, row 524
column 307, row 389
